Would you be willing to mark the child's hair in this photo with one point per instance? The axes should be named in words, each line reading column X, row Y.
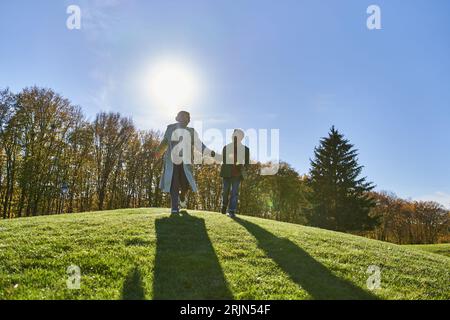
column 239, row 132
column 182, row 113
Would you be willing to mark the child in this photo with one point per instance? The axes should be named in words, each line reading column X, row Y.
column 236, row 157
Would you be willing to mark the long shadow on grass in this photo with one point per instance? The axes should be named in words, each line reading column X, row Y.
column 186, row 265
column 303, row 269
column 133, row 287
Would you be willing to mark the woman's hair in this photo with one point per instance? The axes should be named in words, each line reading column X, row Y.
column 181, row 114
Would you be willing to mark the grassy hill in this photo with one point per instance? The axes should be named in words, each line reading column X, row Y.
column 144, row 253
column 442, row 248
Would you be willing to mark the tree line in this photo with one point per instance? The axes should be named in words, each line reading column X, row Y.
column 409, row 222
column 53, row 161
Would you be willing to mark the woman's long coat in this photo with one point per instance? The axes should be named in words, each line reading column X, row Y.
column 166, row 178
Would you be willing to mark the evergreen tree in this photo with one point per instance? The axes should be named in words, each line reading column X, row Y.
column 340, row 198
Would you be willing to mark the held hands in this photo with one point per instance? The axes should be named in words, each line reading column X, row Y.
column 208, row 154
column 217, row 157
column 211, row 157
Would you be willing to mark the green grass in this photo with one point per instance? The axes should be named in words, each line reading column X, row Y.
column 443, row 248
column 145, row 254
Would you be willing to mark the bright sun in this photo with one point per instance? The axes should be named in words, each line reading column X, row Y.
column 172, row 85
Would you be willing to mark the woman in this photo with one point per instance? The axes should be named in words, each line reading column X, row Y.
column 179, row 143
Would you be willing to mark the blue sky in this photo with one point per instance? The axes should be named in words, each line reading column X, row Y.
column 300, row 66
